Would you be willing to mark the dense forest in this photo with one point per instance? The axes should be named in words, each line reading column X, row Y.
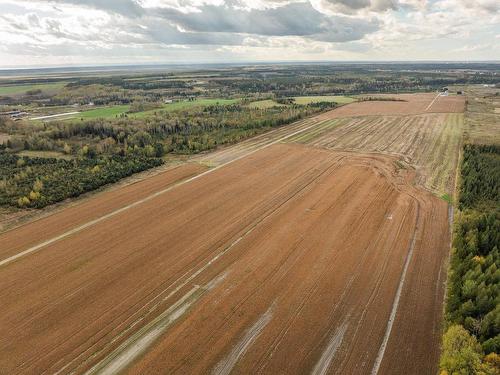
column 480, row 176
column 473, row 303
column 184, row 132
column 38, row 182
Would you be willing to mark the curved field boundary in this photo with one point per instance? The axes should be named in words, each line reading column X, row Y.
column 428, row 142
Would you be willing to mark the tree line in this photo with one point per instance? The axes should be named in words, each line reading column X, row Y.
column 37, row 182
column 472, row 340
column 184, row 131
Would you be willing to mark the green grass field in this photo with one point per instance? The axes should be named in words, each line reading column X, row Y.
column 105, row 112
column 263, row 104
column 327, row 98
column 116, row 110
column 21, row 89
column 303, row 100
column 184, row 105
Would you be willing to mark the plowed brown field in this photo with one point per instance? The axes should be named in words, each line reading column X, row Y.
column 290, row 260
column 410, row 104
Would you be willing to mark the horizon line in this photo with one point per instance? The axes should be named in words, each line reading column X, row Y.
column 249, row 62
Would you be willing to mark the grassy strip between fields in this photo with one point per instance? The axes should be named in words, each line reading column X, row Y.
column 105, row 112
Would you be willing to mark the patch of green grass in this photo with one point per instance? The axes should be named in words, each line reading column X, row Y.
column 21, row 89
column 263, row 104
column 446, row 197
column 117, row 110
column 44, row 154
column 104, row 112
column 198, row 102
column 303, row 100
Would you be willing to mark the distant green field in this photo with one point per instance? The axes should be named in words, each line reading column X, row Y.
column 327, row 98
column 183, row 105
column 21, row 89
column 116, row 110
column 104, row 112
column 303, row 100
column 263, row 104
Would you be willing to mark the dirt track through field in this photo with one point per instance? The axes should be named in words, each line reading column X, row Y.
column 286, row 260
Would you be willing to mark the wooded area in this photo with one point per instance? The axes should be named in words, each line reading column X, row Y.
column 37, row 182
column 473, row 304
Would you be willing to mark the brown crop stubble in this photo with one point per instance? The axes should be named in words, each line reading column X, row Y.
column 95, row 281
column 410, row 104
column 429, row 142
column 317, row 244
column 326, row 266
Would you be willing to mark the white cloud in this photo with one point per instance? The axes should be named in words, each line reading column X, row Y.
column 40, row 32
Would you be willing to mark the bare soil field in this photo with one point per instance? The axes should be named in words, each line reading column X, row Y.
column 292, row 259
column 429, row 142
column 410, row 104
column 448, row 104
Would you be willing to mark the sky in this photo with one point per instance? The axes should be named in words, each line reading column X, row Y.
column 37, row 33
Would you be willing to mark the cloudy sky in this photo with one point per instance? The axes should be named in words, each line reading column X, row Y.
column 94, row 32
